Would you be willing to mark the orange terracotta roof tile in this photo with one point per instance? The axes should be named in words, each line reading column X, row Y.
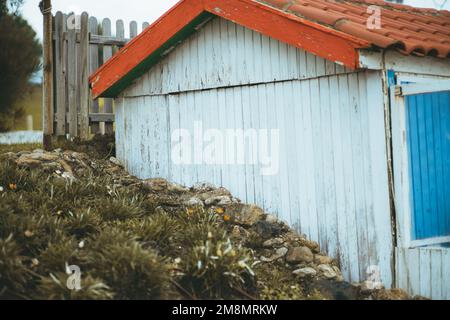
column 411, row 30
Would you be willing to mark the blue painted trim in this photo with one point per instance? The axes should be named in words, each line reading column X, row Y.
column 391, row 78
column 428, row 127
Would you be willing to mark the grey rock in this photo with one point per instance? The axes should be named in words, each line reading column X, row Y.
column 337, row 290
column 155, row 185
column 320, row 259
column 115, row 161
column 271, row 218
column 203, row 187
column 248, row 215
column 219, row 200
column 194, row 202
column 43, row 156
column 35, row 159
column 305, row 272
column 10, row 155
column 314, row 246
column 77, row 155
column 220, row 192
column 273, row 242
column 267, row 230
column 21, row 153
column 280, row 253
column 24, row 162
column 327, row 271
column 299, row 255
column 177, row 188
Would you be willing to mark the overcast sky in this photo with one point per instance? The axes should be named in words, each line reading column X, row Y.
column 128, row 10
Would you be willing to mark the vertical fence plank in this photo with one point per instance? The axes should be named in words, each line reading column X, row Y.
column 48, row 112
column 120, row 30
column 93, row 66
column 107, row 53
column 66, row 81
column 133, row 29
column 74, row 58
column 72, row 82
column 60, row 70
column 78, row 71
column 84, row 81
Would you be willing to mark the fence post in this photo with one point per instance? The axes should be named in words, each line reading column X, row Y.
column 71, row 54
column 84, row 87
column 47, row 98
column 93, row 66
column 72, row 83
column 107, row 53
column 60, row 68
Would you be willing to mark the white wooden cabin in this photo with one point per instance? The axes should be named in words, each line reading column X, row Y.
column 353, row 140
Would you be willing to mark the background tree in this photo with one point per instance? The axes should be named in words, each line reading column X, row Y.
column 20, row 58
column 10, row 6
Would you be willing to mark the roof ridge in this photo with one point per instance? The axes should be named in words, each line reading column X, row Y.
column 397, row 6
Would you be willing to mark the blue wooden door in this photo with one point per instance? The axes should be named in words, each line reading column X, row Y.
column 428, row 134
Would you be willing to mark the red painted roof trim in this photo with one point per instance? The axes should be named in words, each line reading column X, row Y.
column 315, row 38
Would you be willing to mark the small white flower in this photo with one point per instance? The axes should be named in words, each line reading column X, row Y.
column 68, row 176
column 1, row 189
column 58, row 172
column 243, row 264
column 177, row 260
column 81, row 245
column 34, row 262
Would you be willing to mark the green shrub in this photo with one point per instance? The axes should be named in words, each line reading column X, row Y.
column 60, row 252
column 15, row 180
column 54, row 287
column 134, row 273
column 31, row 232
column 217, row 269
column 159, row 231
column 121, row 208
column 81, row 225
column 128, row 245
column 14, row 276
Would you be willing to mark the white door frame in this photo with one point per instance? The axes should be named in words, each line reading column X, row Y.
column 402, row 186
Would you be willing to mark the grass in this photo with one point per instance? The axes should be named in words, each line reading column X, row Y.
column 19, row 147
column 99, row 147
column 127, row 242
column 126, row 246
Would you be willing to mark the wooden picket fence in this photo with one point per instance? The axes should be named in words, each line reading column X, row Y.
column 79, row 46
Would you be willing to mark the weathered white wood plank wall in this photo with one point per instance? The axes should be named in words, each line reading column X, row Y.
column 424, row 272
column 332, row 185
column 224, row 54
